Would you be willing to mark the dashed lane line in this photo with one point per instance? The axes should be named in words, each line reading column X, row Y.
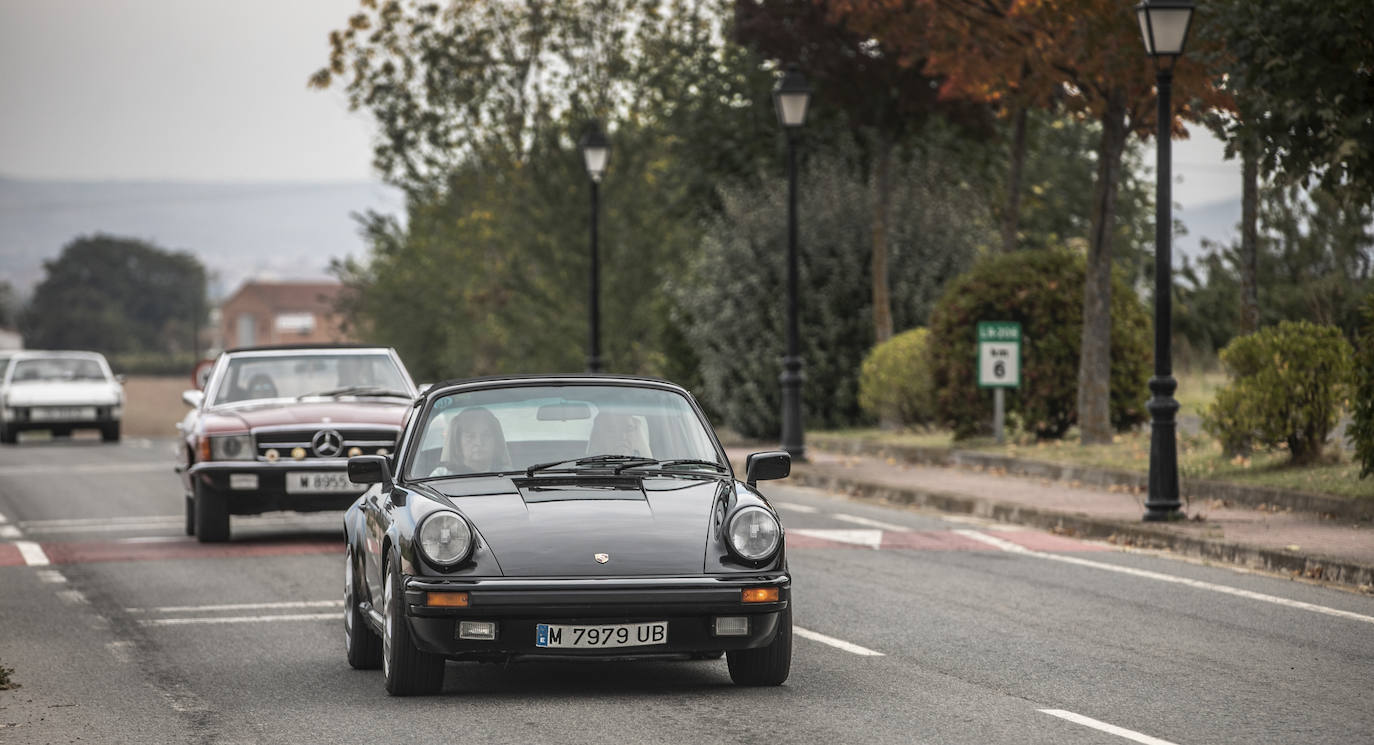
column 850, row 647
column 1104, row 727
column 805, row 509
column 1146, row 574
column 239, row 607
column 32, row 553
column 238, row 619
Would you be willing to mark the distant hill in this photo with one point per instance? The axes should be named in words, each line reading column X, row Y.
column 239, row 231
column 1217, row 221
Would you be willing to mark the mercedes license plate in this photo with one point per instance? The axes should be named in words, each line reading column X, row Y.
column 601, row 637
column 321, row 482
column 61, row 413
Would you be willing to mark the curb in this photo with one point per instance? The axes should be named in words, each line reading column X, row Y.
column 1335, row 571
column 1191, row 488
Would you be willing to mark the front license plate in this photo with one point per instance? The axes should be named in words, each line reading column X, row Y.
column 62, row 413
column 320, row 482
column 608, row 636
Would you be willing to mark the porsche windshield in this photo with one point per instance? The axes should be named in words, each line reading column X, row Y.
column 511, row 429
column 253, row 377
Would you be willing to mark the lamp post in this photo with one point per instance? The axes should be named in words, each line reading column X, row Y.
column 1164, row 25
column 791, row 98
column 596, row 150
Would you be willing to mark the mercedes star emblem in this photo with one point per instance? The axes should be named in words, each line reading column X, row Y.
column 602, row 558
column 327, row 443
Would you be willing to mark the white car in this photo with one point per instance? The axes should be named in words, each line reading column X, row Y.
column 59, row 392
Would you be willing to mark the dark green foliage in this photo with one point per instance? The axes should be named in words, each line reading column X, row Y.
column 1287, row 386
column 1361, row 430
column 115, row 295
column 1043, row 290
column 735, row 289
column 1315, row 263
column 895, row 384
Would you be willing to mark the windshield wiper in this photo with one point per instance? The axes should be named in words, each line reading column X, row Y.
column 718, row 468
column 589, row 460
column 357, row 390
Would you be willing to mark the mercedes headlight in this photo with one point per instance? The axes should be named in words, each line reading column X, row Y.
column 445, row 538
column 753, row 533
column 232, row 447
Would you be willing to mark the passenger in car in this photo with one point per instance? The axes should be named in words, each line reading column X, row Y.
column 476, row 444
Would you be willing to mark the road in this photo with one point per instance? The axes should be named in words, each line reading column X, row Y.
column 912, row 628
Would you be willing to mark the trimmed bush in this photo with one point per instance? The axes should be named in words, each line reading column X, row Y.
column 1287, row 385
column 1043, row 290
column 895, row 383
column 1361, row 429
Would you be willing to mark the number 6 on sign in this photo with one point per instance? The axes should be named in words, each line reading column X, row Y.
column 999, row 354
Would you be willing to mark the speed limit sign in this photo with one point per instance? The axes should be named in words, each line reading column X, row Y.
column 999, row 354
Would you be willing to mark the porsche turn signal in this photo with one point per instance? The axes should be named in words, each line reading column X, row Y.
column 760, row 595
column 447, row 599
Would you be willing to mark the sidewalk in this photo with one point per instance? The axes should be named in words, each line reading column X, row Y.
column 1299, row 544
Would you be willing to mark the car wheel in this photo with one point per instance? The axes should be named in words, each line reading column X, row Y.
column 211, row 515
column 110, row 432
column 8, row 435
column 190, row 515
column 408, row 671
column 363, row 645
column 767, row 665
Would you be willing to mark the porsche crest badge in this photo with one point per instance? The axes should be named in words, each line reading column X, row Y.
column 602, row 558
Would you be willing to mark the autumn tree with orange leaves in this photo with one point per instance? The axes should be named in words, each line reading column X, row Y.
column 1085, row 56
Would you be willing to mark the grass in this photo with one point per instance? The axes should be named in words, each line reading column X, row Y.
column 1199, row 455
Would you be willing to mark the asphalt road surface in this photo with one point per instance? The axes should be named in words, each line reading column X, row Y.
column 912, row 628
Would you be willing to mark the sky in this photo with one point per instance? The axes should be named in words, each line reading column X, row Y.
column 175, row 90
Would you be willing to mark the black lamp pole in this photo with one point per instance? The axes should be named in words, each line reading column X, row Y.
column 596, row 150
column 1164, row 24
column 791, row 97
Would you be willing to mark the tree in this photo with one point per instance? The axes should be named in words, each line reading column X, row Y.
column 882, row 97
column 9, row 305
column 115, row 295
column 1089, row 52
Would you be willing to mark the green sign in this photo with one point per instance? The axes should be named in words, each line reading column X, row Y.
column 999, row 354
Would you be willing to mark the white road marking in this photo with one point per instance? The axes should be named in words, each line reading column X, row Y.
column 871, row 523
column 32, row 553
column 239, row 619
column 51, row 576
column 1104, row 727
column 75, row 597
column 239, row 606
column 836, row 643
column 80, row 521
column 165, row 522
column 1146, row 574
column 867, row 538
column 791, row 507
column 86, row 468
column 155, row 539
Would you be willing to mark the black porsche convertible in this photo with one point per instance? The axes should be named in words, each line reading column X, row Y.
column 563, row 517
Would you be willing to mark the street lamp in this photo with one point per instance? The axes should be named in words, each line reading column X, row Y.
column 1164, row 26
column 596, row 150
column 791, row 98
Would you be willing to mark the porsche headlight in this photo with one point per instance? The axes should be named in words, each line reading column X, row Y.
column 753, row 533
column 232, row 447
column 445, row 538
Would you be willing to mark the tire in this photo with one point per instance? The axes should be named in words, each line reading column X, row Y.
column 211, row 515
column 8, row 436
column 362, row 644
column 408, row 671
column 110, row 432
column 768, row 665
column 190, row 515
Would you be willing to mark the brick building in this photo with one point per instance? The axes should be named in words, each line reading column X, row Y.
column 267, row 313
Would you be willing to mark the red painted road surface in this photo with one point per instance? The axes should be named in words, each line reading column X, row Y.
column 81, row 552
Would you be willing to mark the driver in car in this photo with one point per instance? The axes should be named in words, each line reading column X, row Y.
column 476, row 444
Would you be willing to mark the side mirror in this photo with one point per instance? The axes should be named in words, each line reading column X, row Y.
column 121, row 379
column 193, row 398
column 773, row 464
column 370, row 469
